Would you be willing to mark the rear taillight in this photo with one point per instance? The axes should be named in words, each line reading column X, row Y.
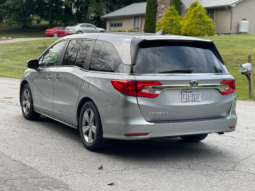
column 227, row 87
column 135, row 88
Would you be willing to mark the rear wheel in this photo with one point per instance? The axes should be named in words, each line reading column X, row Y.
column 27, row 104
column 194, row 138
column 79, row 32
column 55, row 35
column 90, row 127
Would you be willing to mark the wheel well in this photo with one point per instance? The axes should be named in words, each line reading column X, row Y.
column 21, row 87
column 82, row 102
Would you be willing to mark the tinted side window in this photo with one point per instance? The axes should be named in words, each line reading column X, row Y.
column 51, row 57
column 83, row 25
column 76, row 53
column 105, row 58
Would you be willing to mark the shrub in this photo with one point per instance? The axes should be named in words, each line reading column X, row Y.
column 197, row 22
column 171, row 21
column 177, row 5
column 150, row 16
column 113, row 31
column 121, row 30
column 132, row 30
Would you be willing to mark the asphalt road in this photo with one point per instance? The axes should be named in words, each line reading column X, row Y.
column 47, row 155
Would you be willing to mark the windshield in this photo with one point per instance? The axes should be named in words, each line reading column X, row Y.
column 176, row 57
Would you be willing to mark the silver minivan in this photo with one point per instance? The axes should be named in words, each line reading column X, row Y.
column 83, row 28
column 131, row 87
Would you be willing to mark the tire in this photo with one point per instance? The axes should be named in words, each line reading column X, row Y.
column 194, row 138
column 27, row 107
column 55, row 35
column 101, row 31
column 91, row 128
column 79, row 32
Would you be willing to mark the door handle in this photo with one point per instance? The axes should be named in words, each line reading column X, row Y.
column 48, row 77
column 58, row 77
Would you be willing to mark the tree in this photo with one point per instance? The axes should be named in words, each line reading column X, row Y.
column 150, row 16
column 171, row 21
column 2, row 10
column 177, row 5
column 19, row 12
column 197, row 22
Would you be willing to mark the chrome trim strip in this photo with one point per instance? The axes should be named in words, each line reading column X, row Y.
column 73, row 126
column 160, row 89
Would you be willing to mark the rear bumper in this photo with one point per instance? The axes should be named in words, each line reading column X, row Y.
column 127, row 119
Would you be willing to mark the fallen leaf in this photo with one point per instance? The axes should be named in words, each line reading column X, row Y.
column 100, row 168
column 111, row 183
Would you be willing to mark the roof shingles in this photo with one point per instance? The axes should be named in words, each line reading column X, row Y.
column 133, row 9
column 212, row 3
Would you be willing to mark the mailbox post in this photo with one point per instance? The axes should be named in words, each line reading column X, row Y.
column 247, row 70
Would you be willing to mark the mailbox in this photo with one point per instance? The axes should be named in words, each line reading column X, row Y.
column 244, row 68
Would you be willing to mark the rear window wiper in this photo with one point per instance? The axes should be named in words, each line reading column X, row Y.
column 177, row 71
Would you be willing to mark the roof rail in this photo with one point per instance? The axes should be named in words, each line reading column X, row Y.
column 161, row 32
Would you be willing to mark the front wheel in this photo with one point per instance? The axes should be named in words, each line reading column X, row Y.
column 194, row 138
column 90, row 127
column 27, row 104
column 55, row 35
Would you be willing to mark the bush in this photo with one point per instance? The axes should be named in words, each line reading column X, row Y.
column 132, row 30
column 171, row 21
column 196, row 22
column 150, row 16
column 113, row 31
column 177, row 5
column 121, row 30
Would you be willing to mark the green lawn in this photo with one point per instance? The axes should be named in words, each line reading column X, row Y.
column 18, row 32
column 13, row 56
column 234, row 50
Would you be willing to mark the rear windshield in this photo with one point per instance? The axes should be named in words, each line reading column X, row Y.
column 155, row 57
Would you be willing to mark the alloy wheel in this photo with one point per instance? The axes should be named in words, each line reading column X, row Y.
column 26, row 101
column 89, row 126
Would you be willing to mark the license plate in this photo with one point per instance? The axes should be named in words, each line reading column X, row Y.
column 191, row 96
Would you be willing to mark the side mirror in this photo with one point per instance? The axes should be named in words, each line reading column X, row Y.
column 33, row 64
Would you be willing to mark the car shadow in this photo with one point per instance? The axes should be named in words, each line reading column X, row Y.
column 156, row 150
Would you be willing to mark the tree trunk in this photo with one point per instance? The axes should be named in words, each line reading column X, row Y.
column 50, row 22
column 25, row 25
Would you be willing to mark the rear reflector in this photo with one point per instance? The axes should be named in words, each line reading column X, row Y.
column 135, row 88
column 133, row 135
column 232, row 127
column 227, row 87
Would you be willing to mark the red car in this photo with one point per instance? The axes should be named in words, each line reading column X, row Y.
column 56, row 32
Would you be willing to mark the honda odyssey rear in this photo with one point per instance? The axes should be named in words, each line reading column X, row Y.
column 131, row 87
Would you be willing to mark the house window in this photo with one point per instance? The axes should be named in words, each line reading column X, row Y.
column 136, row 22
column 116, row 24
column 210, row 13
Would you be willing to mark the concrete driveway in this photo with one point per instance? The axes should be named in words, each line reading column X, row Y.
column 22, row 39
column 47, row 155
